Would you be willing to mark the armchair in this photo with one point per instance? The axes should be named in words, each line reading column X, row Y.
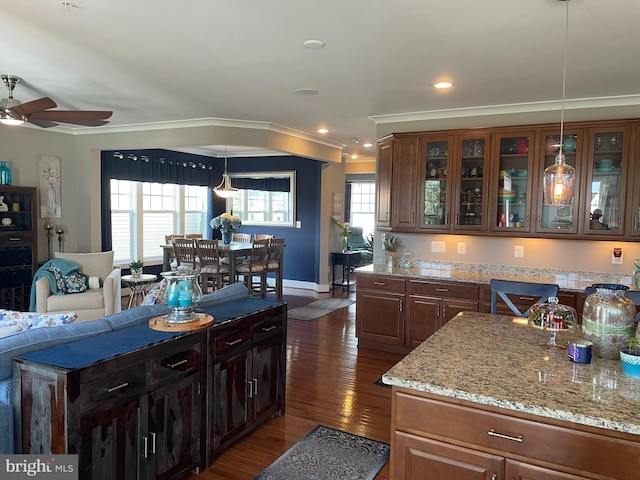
column 92, row 303
column 358, row 243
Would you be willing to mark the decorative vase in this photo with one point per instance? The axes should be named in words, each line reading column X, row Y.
column 136, row 272
column 569, row 144
column 181, row 295
column 226, row 236
column 608, row 319
column 52, row 208
column 522, row 145
column 5, row 173
column 345, row 243
column 391, row 260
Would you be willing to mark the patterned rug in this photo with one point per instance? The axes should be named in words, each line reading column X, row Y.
column 328, row 454
column 318, row 308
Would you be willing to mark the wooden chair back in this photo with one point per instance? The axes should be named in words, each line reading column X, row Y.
column 241, row 237
column 195, row 236
column 528, row 292
column 169, row 238
column 262, row 236
column 184, row 252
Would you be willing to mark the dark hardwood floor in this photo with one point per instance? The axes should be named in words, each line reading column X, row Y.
column 329, row 382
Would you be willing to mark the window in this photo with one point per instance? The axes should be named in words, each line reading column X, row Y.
column 363, row 204
column 264, row 199
column 143, row 213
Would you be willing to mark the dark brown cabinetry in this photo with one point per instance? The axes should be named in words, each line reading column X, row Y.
column 18, row 246
column 383, row 183
column 490, row 182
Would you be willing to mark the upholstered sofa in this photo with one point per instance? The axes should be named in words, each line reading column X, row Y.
column 37, row 339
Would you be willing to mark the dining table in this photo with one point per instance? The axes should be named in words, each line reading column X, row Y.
column 233, row 251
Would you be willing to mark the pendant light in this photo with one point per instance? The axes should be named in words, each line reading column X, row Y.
column 559, row 178
column 225, row 190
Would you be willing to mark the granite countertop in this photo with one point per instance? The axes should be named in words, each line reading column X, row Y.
column 499, row 361
column 568, row 281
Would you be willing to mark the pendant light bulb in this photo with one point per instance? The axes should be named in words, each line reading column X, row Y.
column 225, row 190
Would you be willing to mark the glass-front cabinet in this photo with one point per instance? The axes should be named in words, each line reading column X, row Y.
column 470, row 199
column 560, row 219
column 436, row 169
column 607, row 166
column 512, row 196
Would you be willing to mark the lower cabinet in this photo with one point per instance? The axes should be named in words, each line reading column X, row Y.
column 454, row 439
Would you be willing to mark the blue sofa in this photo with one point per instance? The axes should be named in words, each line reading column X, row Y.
column 41, row 338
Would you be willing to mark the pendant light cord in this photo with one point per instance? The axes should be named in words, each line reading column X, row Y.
column 564, row 75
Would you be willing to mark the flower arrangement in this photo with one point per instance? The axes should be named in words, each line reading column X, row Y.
column 226, row 222
column 51, row 175
column 345, row 228
column 392, row 244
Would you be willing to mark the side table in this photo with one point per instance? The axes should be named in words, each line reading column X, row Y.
column 138, row 287
column 348, row 260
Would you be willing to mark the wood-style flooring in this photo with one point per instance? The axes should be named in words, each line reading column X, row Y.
column 329, row 382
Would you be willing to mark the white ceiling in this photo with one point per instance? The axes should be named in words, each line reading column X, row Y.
column 162, row 61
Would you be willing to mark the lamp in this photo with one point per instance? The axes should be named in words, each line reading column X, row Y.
column 48, row 227
column 225, row 190
column 559, row 178
column 60, row 231
column 8, row 115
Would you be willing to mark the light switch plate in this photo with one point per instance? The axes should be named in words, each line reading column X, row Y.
column 518, row 251
column 462, row 247
column 437, row 247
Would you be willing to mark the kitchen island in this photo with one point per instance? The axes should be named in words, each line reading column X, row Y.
column 482, row 398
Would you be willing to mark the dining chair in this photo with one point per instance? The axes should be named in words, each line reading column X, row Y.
column 169, row 238
column 275, row 265
column 194, row 236
column 527, row 292
column 241, row 237
column 184, row 252
column 210, row 267
column 262, row 236
column 256, row 265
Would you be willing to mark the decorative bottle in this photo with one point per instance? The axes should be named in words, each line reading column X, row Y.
column 5, row 173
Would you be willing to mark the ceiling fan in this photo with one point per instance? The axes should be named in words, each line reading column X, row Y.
column 14, row 112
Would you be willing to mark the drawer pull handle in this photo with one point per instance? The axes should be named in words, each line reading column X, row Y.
column 442, row 289
column 177, row 364
column 528, row 299
column 234, row 343
column 268, row 329
column 381, row 284
column 15, row 239
column 494, row 477
column 118, row 387
column 493, row 433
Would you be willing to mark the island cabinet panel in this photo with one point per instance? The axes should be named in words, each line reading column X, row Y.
column 534, row 448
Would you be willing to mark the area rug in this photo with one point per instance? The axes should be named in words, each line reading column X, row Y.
column 318, row 308
column 328, row 454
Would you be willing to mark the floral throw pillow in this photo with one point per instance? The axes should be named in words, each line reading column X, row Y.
column 12, row 321
column 153, row 296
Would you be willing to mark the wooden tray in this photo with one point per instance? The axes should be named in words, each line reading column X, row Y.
column 158, row 323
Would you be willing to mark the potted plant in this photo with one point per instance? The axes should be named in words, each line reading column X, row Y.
column 136, row 268
column 391, row 246
column 630, row 358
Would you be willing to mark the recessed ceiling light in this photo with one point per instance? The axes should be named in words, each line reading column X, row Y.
column 443, row 85
column 322, row 130
column 367, row 145
column 314, row 44
column 354, row 155
column 306, row 92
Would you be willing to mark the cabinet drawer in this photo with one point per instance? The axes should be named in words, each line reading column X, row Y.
column 180, row 361
column 268, row 326
column 381, row 282
column 469, row 291
column 230, row 338
column 614, row 457
column 123, row 384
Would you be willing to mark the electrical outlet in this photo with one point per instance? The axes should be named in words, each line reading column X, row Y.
column 518, row 251
column 437, row 247
column 616, row 256
column 462, row 247
column 298, row 224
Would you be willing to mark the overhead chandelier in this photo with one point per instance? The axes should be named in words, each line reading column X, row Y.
column 225, row 190
column 559, row 178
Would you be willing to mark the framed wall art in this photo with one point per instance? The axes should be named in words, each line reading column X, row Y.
column 50, row 186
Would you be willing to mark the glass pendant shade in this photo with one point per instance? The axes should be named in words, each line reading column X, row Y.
column 558, row 181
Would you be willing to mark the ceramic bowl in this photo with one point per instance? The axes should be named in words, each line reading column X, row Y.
column 6, row 221
column 630, row 364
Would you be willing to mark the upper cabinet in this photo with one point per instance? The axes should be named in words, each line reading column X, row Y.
column 490, row 181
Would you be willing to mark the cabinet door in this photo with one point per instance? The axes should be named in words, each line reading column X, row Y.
column 380, row 317
column 511, row 185
column 110, row 442
column 173, row 437
column 383, row 183
column 608, row 161
column 524, row 471
column 453, row 306
column 471, row 174
column 414, row 456
column 230, row 399
column 552, row 219
column 434, row 168
column 265, row 388
column 404, row 184
column 422, row 319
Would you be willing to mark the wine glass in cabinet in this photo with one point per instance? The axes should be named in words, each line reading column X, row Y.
column 607, row 166
column 471, row 173
column 560, row 219
column 512, row 197
column 435, row 168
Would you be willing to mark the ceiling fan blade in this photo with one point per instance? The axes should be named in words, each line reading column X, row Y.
column 33, row 106
column 42, row 123
column 71, row 116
